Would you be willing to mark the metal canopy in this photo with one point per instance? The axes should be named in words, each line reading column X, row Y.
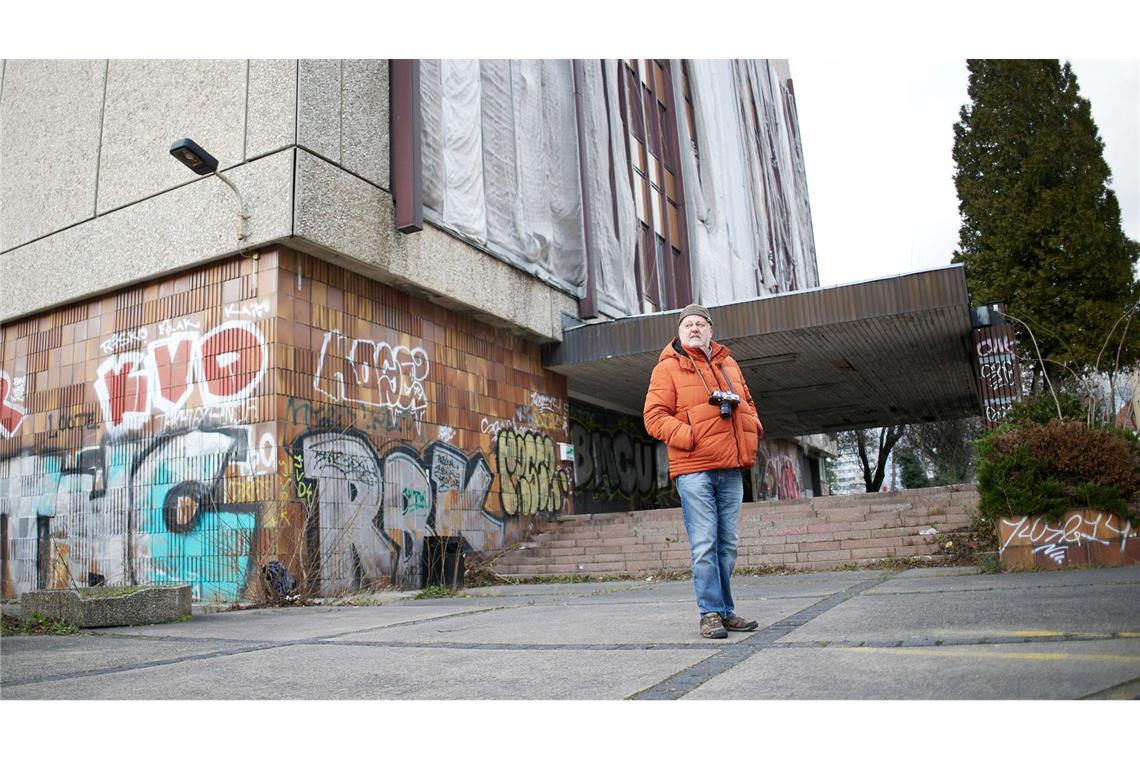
column 866, row 354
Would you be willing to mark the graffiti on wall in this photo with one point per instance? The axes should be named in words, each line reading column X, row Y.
column 996, row 353
column 373, row 373
column 615, row 460
column 782, row 474
column 542, row 413
column 531, row 478
column 222, row 367
column 311, row 415
column 1056, row 541
column 369, row 512
column 172, row 491
column 126, row 512
column 12, row 412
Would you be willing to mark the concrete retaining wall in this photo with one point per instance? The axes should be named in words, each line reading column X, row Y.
column 156, row 604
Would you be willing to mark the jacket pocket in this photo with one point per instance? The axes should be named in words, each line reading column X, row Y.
column 750, row 429
column 683, row 438
column 712, row 432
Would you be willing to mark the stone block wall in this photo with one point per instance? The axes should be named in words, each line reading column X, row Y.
column 806, row 534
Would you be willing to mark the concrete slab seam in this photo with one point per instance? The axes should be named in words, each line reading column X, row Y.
column 680, row 684
column 754, row 643
column 260, row 646
column 138, row 666
column 1126, row 690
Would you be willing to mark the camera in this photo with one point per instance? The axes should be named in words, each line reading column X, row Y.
column 725, row 400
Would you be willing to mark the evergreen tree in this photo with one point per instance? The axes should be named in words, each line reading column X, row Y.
column 911, row 472
column 1041, row 230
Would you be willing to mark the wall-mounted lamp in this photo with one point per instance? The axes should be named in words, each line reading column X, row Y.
column 198, row 160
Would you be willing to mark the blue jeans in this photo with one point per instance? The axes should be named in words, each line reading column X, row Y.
column 710, row 504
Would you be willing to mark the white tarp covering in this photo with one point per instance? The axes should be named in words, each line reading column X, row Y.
column 614, row 240
column 501, row 169
column 750, row 227
column 500, row 158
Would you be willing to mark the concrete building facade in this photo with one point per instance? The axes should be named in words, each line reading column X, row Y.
column 195, row 383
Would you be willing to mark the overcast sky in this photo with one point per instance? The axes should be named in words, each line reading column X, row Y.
column 879, row 167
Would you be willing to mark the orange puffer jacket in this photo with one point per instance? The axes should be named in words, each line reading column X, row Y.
column 677, row 411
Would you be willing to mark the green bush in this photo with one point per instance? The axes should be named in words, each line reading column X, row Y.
column 1030, row 467
column 1042, row 408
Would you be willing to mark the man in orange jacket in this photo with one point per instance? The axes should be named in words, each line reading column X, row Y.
column 699, row 405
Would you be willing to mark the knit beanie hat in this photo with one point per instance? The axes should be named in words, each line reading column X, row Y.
column 694, row 310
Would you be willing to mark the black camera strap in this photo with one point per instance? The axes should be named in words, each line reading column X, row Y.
column 722, row 372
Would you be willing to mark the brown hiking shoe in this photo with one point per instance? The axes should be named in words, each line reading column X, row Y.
column 736, row 623
column 712, row 627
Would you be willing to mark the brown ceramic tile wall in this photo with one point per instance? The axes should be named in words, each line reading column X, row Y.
column 196, row 428
column 451, row 424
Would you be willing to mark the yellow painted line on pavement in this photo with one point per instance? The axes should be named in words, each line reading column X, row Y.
column 1034, row 656
column 1046, row 634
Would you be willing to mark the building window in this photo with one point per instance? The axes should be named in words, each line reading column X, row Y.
column 654, row 170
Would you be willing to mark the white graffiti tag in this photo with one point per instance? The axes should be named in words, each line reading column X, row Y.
column 999, row 375
column 373, row 373
column 123, row 339
column 1054, row 540
column 254, row 310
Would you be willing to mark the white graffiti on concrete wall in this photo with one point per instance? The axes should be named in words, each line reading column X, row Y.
column 373, row 512
column 12, row 411
column 531, row 479
column 1054, row 540
column 224, row 366
column 127, row 512
column 373, row 373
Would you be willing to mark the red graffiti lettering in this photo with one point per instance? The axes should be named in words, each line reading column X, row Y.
column 11, row 414
column 232, row 360
column 225, row 365
column 173, row 371
column 123, row 387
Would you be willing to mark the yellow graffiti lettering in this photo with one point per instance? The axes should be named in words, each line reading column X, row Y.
column 531, row 481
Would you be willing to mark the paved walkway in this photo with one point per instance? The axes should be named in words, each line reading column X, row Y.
column 940, row 633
